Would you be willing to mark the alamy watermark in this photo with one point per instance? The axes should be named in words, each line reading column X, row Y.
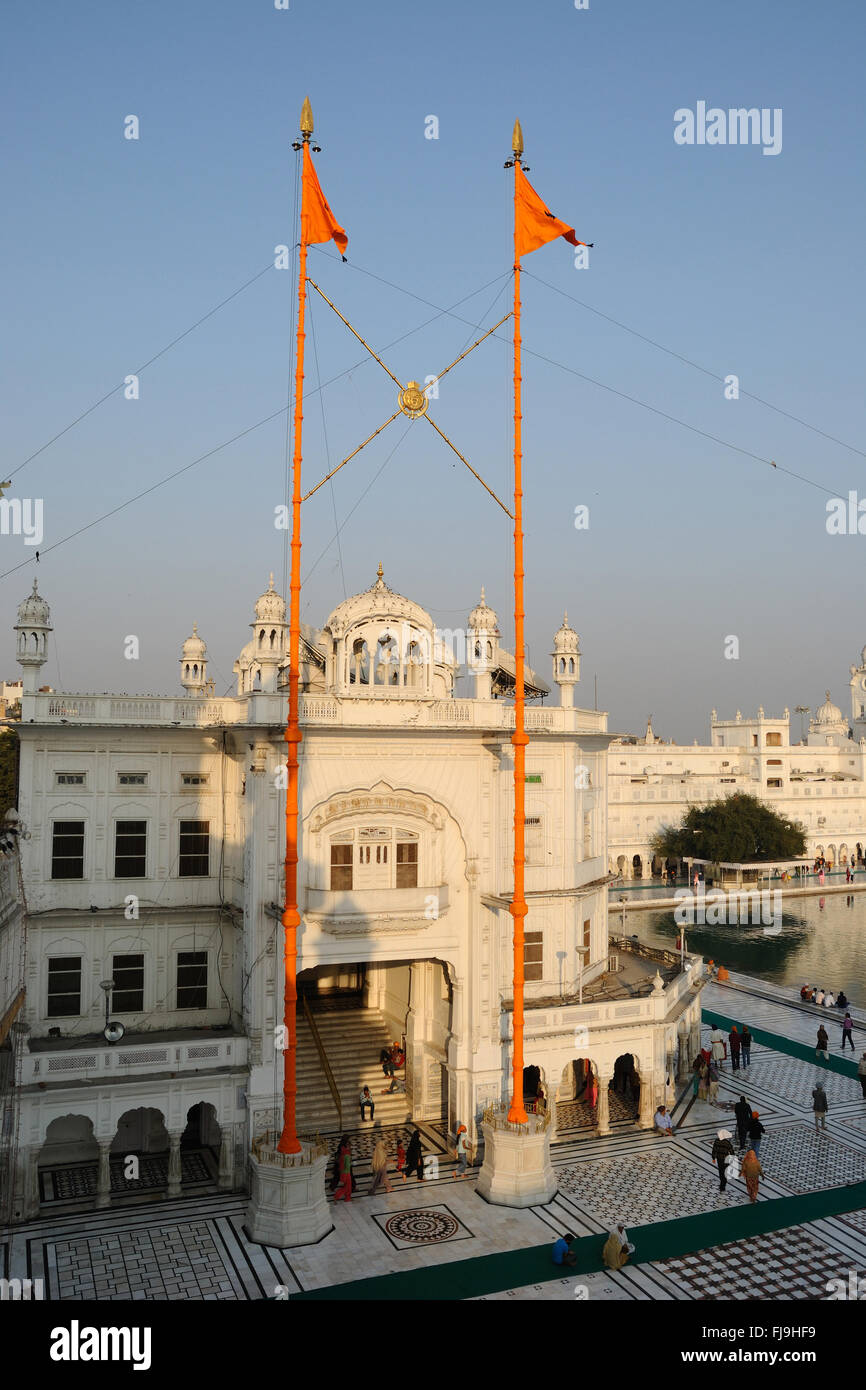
column 744, row 909
column 22, row 516
column 736, row 126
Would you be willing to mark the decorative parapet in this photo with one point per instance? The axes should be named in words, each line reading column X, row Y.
column 265, row 1150
column 497, row 1117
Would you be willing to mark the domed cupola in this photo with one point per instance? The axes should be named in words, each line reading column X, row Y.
column 828, row 713
column 482, row 647
column 382, row 644
column 193, row 664
column 271, row 606
column 566, row 662
column 33, row 627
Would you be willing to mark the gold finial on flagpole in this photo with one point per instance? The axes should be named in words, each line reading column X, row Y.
column 306, row 118
column 517, row 140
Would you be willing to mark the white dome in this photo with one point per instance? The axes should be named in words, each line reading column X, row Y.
column 482, row 618
column 376, row 602
column 271, row 606
column 828, row 712
column 566, row 639
column 193, row 648
column 34, row 611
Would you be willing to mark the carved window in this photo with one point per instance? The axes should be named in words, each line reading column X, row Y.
column 533, row 956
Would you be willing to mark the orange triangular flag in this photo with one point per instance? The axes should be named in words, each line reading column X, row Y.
column 318, row 223
column 534, row 224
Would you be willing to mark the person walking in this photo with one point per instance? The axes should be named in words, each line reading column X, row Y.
column 823, row 1044
column 751, row 1171
column 848, row 1031
column 697, row 1068
column 713, row 1078
column 734, row 1040
column 756, row 1132
column 820, row 1106
column 415, row 1156
column 401, row 1158
column 717, row 1045
column 703, row 1080
column 746, row 1045
column 723, row 1149
column 345, row 1188
column 366, row 1099
column 462, row 1146
column 337, row 1176
column 861, row 1072
column 743, row 1112
column 379, row 1164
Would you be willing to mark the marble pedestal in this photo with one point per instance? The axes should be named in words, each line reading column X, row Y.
column 517, row 1171
column 287, row 1205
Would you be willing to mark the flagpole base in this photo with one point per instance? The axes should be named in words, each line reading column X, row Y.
column 288, row 1205
column 517, row 1170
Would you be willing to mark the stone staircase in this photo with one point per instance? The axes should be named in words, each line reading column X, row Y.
column 352, row 1039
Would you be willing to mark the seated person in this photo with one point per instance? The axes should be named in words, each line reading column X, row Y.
column 842, row 1000
column 387, row 1061
column 662, row 1123
column 804, row 992
column 819, row 997
column 561, row 1253
column 829, row 1001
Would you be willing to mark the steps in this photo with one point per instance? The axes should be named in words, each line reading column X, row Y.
column 352, row 1039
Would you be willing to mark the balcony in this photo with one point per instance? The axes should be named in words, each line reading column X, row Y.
column 357, row 912
column 70, row 1061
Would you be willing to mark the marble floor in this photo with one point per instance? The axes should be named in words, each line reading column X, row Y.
column 195, row 1248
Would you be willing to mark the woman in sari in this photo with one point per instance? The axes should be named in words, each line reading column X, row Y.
column 751, row 1170
column 703, row 1081
column 617, row 1248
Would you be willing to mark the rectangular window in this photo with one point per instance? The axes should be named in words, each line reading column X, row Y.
column 533, row 956
column 533, row 777
column 407, row 865
column 130, row 849
column 194, row 859
column 67, row 849
column 587, row 927
column 774, row 781
column 194, row 779
column 774, row 762
column 128, row 994
column 192, row 979
column 754, row 740
column 341, row 867
column 774, row 740
column 70, row 779
column 132, row 779
column 64, row 987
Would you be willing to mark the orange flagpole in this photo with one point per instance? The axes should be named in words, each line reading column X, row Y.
column 289, row 1141
column 517, row 1111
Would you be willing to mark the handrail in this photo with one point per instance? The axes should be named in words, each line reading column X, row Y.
column 326, row 1066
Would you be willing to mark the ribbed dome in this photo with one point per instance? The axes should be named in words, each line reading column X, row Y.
column 34, row 610
column 482, row 618
column 828, row 713
column 271, row 607
column 193, row 648
column 379, row 601
column 566, row 639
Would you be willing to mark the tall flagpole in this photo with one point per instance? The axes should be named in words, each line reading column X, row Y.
column 517, row 1111
column 289, row 1142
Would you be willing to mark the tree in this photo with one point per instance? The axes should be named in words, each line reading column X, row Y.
column 736, row 829
column 8, row 770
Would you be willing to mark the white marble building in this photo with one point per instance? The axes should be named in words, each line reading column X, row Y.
column 820, row 781
column 156, row 866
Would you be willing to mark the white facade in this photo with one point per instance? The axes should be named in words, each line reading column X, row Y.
column 156, row 861
column 821, row 783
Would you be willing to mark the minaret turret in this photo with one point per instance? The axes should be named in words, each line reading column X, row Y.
column 193, row 664
column 483, row 646
column 33, row 627
column 566, row 663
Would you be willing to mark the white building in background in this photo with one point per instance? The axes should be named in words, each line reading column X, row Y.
column 154, row 882
column 819, row 782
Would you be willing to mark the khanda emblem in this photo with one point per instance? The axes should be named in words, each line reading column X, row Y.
column 413, row 401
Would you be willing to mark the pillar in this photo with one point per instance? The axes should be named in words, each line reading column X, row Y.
column 225, row 1181
column 603, row 1126
column 174, row 1168
column 26, row 1204
column 684, row 1059
column 103, row 1177
column 647, row 1102
column 695, row 1038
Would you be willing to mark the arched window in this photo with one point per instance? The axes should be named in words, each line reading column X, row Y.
column 359, row 663
column 413, row 672
column 477, row 651
column 273, row 637
column 562, row 665
column 186, row 671
column 571, row 665
column 387, row 661
column 489, row 651
column 262, row 637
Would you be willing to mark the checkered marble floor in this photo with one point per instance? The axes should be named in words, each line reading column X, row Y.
column 196, row 1248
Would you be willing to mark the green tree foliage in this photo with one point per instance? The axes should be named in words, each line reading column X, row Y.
column 736, row 829
column 8, row 770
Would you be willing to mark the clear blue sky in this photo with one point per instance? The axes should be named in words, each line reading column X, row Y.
column 745, row 263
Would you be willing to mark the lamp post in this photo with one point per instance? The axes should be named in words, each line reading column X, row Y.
column 112, row 1032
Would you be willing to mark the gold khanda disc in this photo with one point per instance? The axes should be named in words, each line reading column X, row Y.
column 413, row 401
